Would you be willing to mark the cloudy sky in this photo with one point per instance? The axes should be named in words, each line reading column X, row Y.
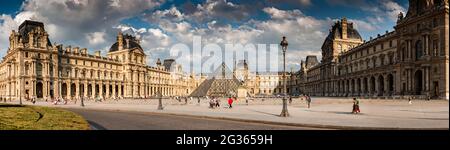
column 160, row 24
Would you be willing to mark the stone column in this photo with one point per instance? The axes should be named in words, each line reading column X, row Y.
column 69, row 89
column 85, row 88
column 114, row 90
column 33, row 90
column 77, row 89
column 427, row 79
column 409, row 80
column 45, row 87
column 427, row 45
column 409, row 50
column 93, row 85
column 107, row 89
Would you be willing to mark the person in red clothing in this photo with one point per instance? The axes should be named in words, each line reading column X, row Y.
column 230, row 102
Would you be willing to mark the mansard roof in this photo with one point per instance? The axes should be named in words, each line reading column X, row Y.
column 336, row 31
column 133, row 43
column 28, row 26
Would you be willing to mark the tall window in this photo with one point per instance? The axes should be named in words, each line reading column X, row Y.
column 419, row 49
column 39, row 69
column 340, row 48
column 27, row 69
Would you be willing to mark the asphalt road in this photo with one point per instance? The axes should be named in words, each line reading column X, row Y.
column 122, row 120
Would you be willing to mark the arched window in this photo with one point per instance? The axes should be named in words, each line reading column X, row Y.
column 419, row 49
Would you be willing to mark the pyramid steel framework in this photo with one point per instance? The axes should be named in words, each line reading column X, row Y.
column 221, row 83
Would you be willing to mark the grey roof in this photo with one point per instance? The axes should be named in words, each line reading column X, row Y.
column 168, row 63
column 336, row 31
column 27, row 26
column 132, row 44
column 311, row 61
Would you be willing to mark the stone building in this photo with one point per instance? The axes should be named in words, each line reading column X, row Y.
column 412, row 60
column 35, row 68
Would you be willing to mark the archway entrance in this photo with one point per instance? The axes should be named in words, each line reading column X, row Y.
column 372, row 85
column 418, row 82
column 63, row 89
column 380, row 85
column 391, row 84
column 97, row 90
column 365, row 85
column 39, row 90
column 81, row 89
column 89, row 90
column 117, row 91
column 73, row 89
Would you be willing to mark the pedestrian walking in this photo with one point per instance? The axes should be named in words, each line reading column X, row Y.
column 212, row 103
column 246, row 100
column 308, row 101
column 355, row 106
column 230, row 102
column 290, row 99
column 185, row 100
column 409, row 101
column 198, row 100
column 217, row 101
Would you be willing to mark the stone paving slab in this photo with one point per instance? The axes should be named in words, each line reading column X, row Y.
column 325, row 112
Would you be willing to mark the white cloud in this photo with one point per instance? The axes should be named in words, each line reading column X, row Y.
column 172, row 14
column 305, row 33
column 363, row 25
column 282, row 14
column 96, row 38
column 80, row 21
column 7, row 24
column 393, row 9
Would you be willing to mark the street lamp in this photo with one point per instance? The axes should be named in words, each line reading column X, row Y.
column 82, row 101
column 284, row 45
column 20, row 93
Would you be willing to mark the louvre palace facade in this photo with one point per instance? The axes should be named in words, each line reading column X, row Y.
column 412, row 60
column 33, row 67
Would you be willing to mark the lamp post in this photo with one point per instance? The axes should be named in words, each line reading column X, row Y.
column 20, row 93
column 284, row 45
column 160, row 107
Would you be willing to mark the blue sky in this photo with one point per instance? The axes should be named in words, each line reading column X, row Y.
column 163, row 23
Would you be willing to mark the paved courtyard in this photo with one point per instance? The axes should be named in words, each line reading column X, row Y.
column 324, row 112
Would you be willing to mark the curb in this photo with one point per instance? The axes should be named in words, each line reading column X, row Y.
column 319, row 126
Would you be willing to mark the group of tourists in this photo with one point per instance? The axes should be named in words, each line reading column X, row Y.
column 307, row 99
column 214, row 102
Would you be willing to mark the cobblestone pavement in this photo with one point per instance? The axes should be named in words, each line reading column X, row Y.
column 324, row 112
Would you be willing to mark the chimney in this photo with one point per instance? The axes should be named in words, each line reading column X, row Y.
column 344, row 28
column 76, row 50
column 120, row 40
